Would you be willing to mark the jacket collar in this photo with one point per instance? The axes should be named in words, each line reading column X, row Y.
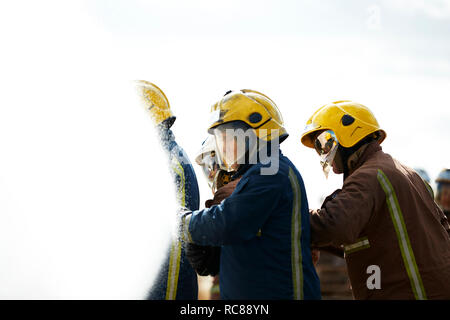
column 366, row 151
column 240, row 171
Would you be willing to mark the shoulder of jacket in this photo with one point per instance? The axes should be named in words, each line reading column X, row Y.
column 382, row 164
column 366, row 174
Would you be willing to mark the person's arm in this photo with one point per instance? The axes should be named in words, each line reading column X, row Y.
column 344, row 215
column 336, row 251
column 206, row 259
column 237, row 218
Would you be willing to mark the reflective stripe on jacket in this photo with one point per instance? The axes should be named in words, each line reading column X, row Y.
column 263, row 228
column 176, row 278
column 385, row 216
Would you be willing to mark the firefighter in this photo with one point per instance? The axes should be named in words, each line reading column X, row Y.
column 176, row 278
column 395, row 237
column 263, row 226
column 206, row 259
column 443, row 191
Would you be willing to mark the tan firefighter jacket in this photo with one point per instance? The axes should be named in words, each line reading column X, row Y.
column 396, row 238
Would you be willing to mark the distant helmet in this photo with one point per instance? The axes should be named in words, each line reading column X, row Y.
column 350, row 121
column 443, row 186
column 156, row 102
column 444, row 176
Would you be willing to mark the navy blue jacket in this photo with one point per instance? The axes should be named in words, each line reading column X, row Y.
column 264, row 231
column 176, row 279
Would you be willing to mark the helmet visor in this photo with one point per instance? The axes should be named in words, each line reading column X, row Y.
column 234, row 142
column 209, row 164
column 326, row 145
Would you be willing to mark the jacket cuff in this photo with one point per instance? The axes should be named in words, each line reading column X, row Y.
column 185, row 234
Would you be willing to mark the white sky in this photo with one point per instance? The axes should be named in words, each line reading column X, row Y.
column 74, row 143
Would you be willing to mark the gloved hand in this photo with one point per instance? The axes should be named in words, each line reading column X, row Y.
column 204, row 259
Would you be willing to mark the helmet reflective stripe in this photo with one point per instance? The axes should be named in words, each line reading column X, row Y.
column 296, row 234
column 402, row 237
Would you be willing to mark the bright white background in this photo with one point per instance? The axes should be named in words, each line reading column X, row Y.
column 76, row 152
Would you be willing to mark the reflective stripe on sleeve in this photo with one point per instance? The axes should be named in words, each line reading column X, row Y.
column 179, row 171
column 185, row 234
column 362, row 243
column 175, row 249
column 174, row 269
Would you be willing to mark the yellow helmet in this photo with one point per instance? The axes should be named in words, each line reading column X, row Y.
column 252, row 107
column 156, row 102
column 350, row 121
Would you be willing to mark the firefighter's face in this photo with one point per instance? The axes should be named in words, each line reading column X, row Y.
column 230, row 150
column 336, row 169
